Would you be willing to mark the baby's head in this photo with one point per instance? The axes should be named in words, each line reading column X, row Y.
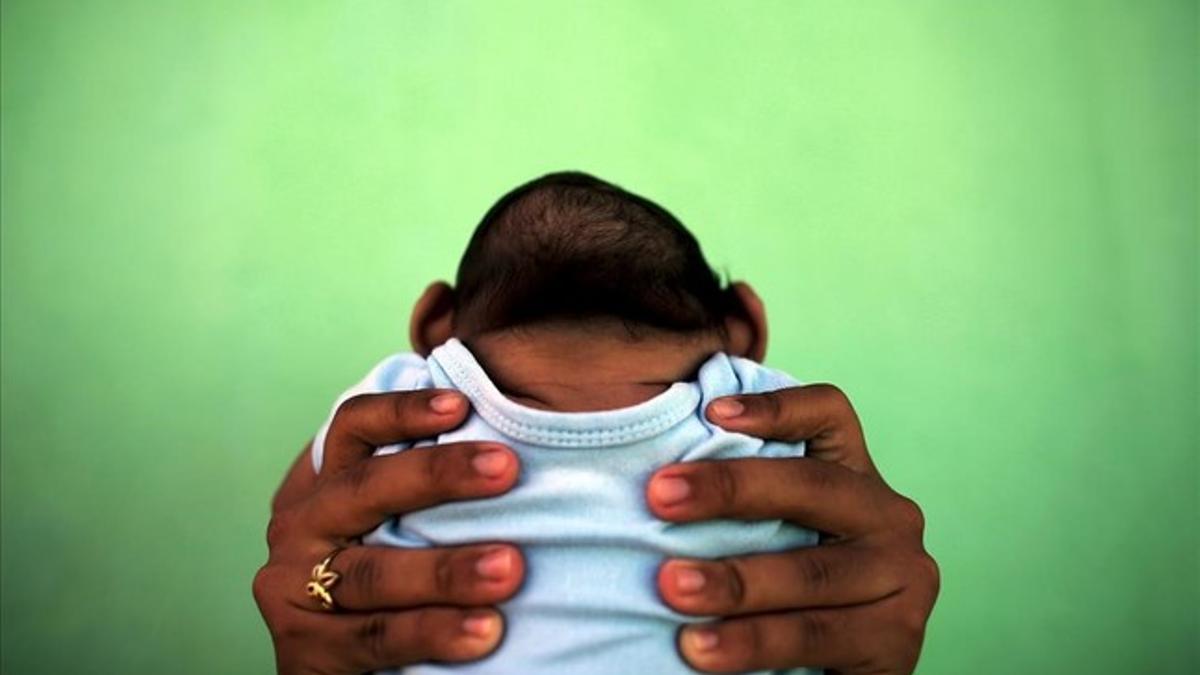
column 570, row 252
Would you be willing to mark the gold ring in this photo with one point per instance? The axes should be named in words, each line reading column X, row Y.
column 323, row 579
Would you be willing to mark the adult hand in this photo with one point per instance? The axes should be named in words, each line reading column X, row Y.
column 394, row 606
column 858, row 603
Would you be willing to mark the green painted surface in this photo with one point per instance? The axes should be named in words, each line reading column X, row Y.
column 980, row 219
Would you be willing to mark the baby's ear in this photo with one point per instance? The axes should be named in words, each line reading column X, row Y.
column 745, row 323
column 432, row 321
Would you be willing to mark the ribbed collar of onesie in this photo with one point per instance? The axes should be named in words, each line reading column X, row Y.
column 563, row 429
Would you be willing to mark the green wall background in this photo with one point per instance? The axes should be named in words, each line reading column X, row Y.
column 980, row 219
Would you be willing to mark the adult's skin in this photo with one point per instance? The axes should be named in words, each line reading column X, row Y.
column 395, row 606
column 858, row 603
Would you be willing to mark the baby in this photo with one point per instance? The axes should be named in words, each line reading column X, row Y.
column 589, row 334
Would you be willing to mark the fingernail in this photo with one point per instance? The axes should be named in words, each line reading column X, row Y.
column 688, row 579
column 670, row 490
column 479, row 624
column 701, row 639
column 495, row 564
column 444, row 404
column 490, row 463
column 728, row 407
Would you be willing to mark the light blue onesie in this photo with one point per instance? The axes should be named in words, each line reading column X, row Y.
column 589, row 603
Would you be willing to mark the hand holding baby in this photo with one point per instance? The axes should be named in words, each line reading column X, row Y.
column 859, row 602
column 396, row 606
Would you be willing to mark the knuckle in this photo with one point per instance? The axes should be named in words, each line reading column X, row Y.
column 372, row 636
column 931, row 572
column 840, row 408
column 365, row 574
column 440, row 468
column 403, row 405
column 910, row 515
column 278, row 529
column 772, row 406
column 814, row 572
column 266, row 586
column 812, row 629
column 735, row 582
column 753, row 642
column 263, row 585
column 725, row 482
column 443, row 575
column 834, row 393
column 356, row 479
column 347, row 409
column 912, row 624
column 819, row 478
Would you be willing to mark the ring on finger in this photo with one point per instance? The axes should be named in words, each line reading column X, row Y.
column 322, row 582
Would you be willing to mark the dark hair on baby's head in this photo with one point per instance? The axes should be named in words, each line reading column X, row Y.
column 569, row 246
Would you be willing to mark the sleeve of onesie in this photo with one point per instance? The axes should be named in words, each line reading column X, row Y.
column 399, row 372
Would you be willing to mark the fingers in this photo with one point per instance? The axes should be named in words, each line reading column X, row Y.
column 823, row 576
column 809, row 492
column 368, row 421
column 345, row 641
column 352, row 496
column 849, row 639
column 355, row 643
column 767, row 641
column 820, row 414
column 374, row 578
column 356, row 500
column 432, row 634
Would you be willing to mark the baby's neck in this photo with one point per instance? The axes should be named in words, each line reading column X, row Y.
column 588, row 368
